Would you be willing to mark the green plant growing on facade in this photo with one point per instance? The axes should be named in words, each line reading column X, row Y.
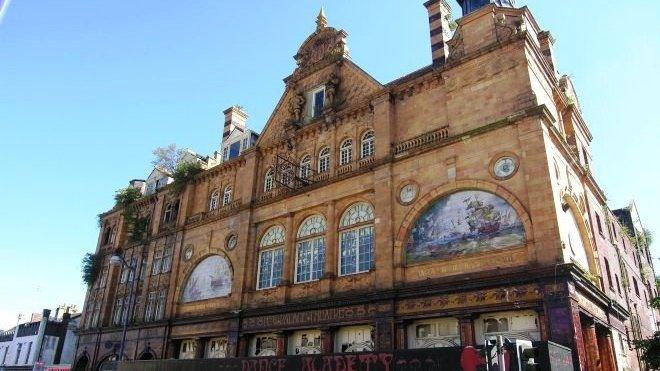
column 651, row 347
column 139, row 228
column 184, row 172
column 126, row 196
column 91, row 267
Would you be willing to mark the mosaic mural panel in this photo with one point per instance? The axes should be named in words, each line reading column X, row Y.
column 211, row 278
column 463, row 223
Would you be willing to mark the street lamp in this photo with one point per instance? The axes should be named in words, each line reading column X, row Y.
column 118, row 260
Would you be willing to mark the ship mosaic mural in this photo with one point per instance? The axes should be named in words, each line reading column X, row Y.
column 463, row 223
column 210, row 279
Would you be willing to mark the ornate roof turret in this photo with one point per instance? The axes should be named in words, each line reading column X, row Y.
column 325, row 44
column 470, row 6
column 321, row 20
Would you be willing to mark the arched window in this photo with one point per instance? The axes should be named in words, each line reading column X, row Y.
column 310, row 249
column 215, row 199
column 356, row 239
column 305, row 167
column 226, row 196
column 268, row 180
column 324, row 160
column 346, row 152
column 271, row 257
column 367, row 144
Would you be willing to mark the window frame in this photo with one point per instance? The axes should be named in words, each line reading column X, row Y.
column 312, row 239
column 346, row 152
column 305, row 169
column 311, row 111
column 273, row 249
column 368, row 143
column 356, row 228
column 323, row 165
column 227, row 195
column 269, row 180
column 214, row 200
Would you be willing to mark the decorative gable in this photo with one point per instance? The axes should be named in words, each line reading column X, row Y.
column 324, row 83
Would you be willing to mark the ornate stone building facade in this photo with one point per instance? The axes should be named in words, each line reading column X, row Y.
column 444, row 208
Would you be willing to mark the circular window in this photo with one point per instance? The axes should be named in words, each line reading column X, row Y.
column 232, row 241
column 408, row 193
column 188, row 252
column 505, row 167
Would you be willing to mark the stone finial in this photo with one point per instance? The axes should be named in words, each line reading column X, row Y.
column 321, row 20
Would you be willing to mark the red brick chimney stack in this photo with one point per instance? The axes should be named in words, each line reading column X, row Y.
column 439, row 14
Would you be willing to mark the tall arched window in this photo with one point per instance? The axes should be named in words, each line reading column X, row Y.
column 268, row 180
column 324, row 160
column 271, row 257
column 367, row 144
column 356, row 239
column 305, row 167
column 226, row 196
column 215, row 199
column 310, row 249
column 346, row 152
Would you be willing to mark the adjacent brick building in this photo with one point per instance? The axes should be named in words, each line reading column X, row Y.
column 444, row 208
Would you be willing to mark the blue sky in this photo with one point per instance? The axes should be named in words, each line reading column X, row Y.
column 89, row 88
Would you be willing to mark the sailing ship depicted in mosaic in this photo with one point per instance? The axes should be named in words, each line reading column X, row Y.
column 210, row 279
column 463, row 223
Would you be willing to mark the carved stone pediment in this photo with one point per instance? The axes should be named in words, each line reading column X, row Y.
column 325, row 44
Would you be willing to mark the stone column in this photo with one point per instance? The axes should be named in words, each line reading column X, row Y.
column 384, row 334
column 466, row 329
column 590, row 345
column 199, row 348
column 331, row 242
column 384, row 245
column 606, row 350
column 232, row 344
column 242, row 346
column 172, row 349
column 401, row 334
column 282, row 340
column 326, row 340
column 289, row 252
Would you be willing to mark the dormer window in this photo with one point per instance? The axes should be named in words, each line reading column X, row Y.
column 316, row 99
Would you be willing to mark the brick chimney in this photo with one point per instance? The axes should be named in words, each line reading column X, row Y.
column 439, row 14
column 235, row 117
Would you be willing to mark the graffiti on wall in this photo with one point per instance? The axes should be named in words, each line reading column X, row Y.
column 211, row 278
column 464, row 223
